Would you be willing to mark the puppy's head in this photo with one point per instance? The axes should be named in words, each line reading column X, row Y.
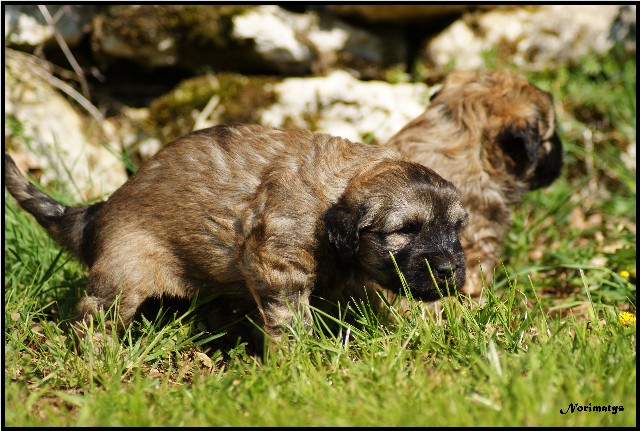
column 406, row 210
column 515, row 117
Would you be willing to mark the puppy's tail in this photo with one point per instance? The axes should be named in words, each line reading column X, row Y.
column 71, row 227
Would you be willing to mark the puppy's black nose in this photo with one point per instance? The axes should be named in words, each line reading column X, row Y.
column 446, row 269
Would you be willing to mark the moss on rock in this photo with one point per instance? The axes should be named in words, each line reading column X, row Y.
column 240, row 99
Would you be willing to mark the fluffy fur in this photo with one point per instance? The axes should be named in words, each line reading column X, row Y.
column 493, row 135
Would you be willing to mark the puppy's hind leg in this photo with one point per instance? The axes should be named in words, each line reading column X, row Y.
column 106, row 289
column 128, row 277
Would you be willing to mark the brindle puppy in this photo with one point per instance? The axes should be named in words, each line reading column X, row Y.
column 267, row 214
column 493, row 135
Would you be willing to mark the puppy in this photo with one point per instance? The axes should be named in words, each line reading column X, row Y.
column 493, row 135
column 266, row 214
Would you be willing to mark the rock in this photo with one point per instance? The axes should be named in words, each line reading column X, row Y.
column 209, row 100
column 246, row 39
column 338, row 104
column 243, row 38
column 341, row 105
column 195, row 103
column 25, row 26
column 531, row 37
column 276, row 35
column 298, row 43
column 47, row 135
column 189, row 36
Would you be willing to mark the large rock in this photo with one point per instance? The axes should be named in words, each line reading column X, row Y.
column 338, row 104
column 247, row 39
column 50, row 137
column 25, row 26
column 341, row 105
column 298, row 43
column 531, row 37
column 275, row 35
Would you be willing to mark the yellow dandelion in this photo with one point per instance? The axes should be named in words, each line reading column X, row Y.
column 627, row 318
column 625, row 274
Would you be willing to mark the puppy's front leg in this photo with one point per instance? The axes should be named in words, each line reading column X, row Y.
column 280, row 308
column 278, row 252
column 483, row 244
column 279, row 281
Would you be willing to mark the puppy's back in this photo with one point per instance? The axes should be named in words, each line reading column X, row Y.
column 206, row 188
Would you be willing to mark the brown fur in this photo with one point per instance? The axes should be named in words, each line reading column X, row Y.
column 268, row 215
column 492, row 134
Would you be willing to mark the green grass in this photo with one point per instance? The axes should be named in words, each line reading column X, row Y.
column 547, row 336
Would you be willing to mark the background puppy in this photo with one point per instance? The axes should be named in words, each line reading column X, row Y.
column 266, row 214
column 492, row 134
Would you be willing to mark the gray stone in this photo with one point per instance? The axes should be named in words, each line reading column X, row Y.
column 47, row 134
column 296, row 42
column 531, row 37
column 24, row 25
column 248, row 39
column 341, row 105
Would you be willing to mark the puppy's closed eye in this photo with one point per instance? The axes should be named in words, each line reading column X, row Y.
column 408, row 229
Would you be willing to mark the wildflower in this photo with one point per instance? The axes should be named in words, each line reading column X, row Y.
column 627, row 318
column 629, row 275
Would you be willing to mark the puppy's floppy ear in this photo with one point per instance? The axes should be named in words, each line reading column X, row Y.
column 520, row 142
column 343, row 223
column 549, row 165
